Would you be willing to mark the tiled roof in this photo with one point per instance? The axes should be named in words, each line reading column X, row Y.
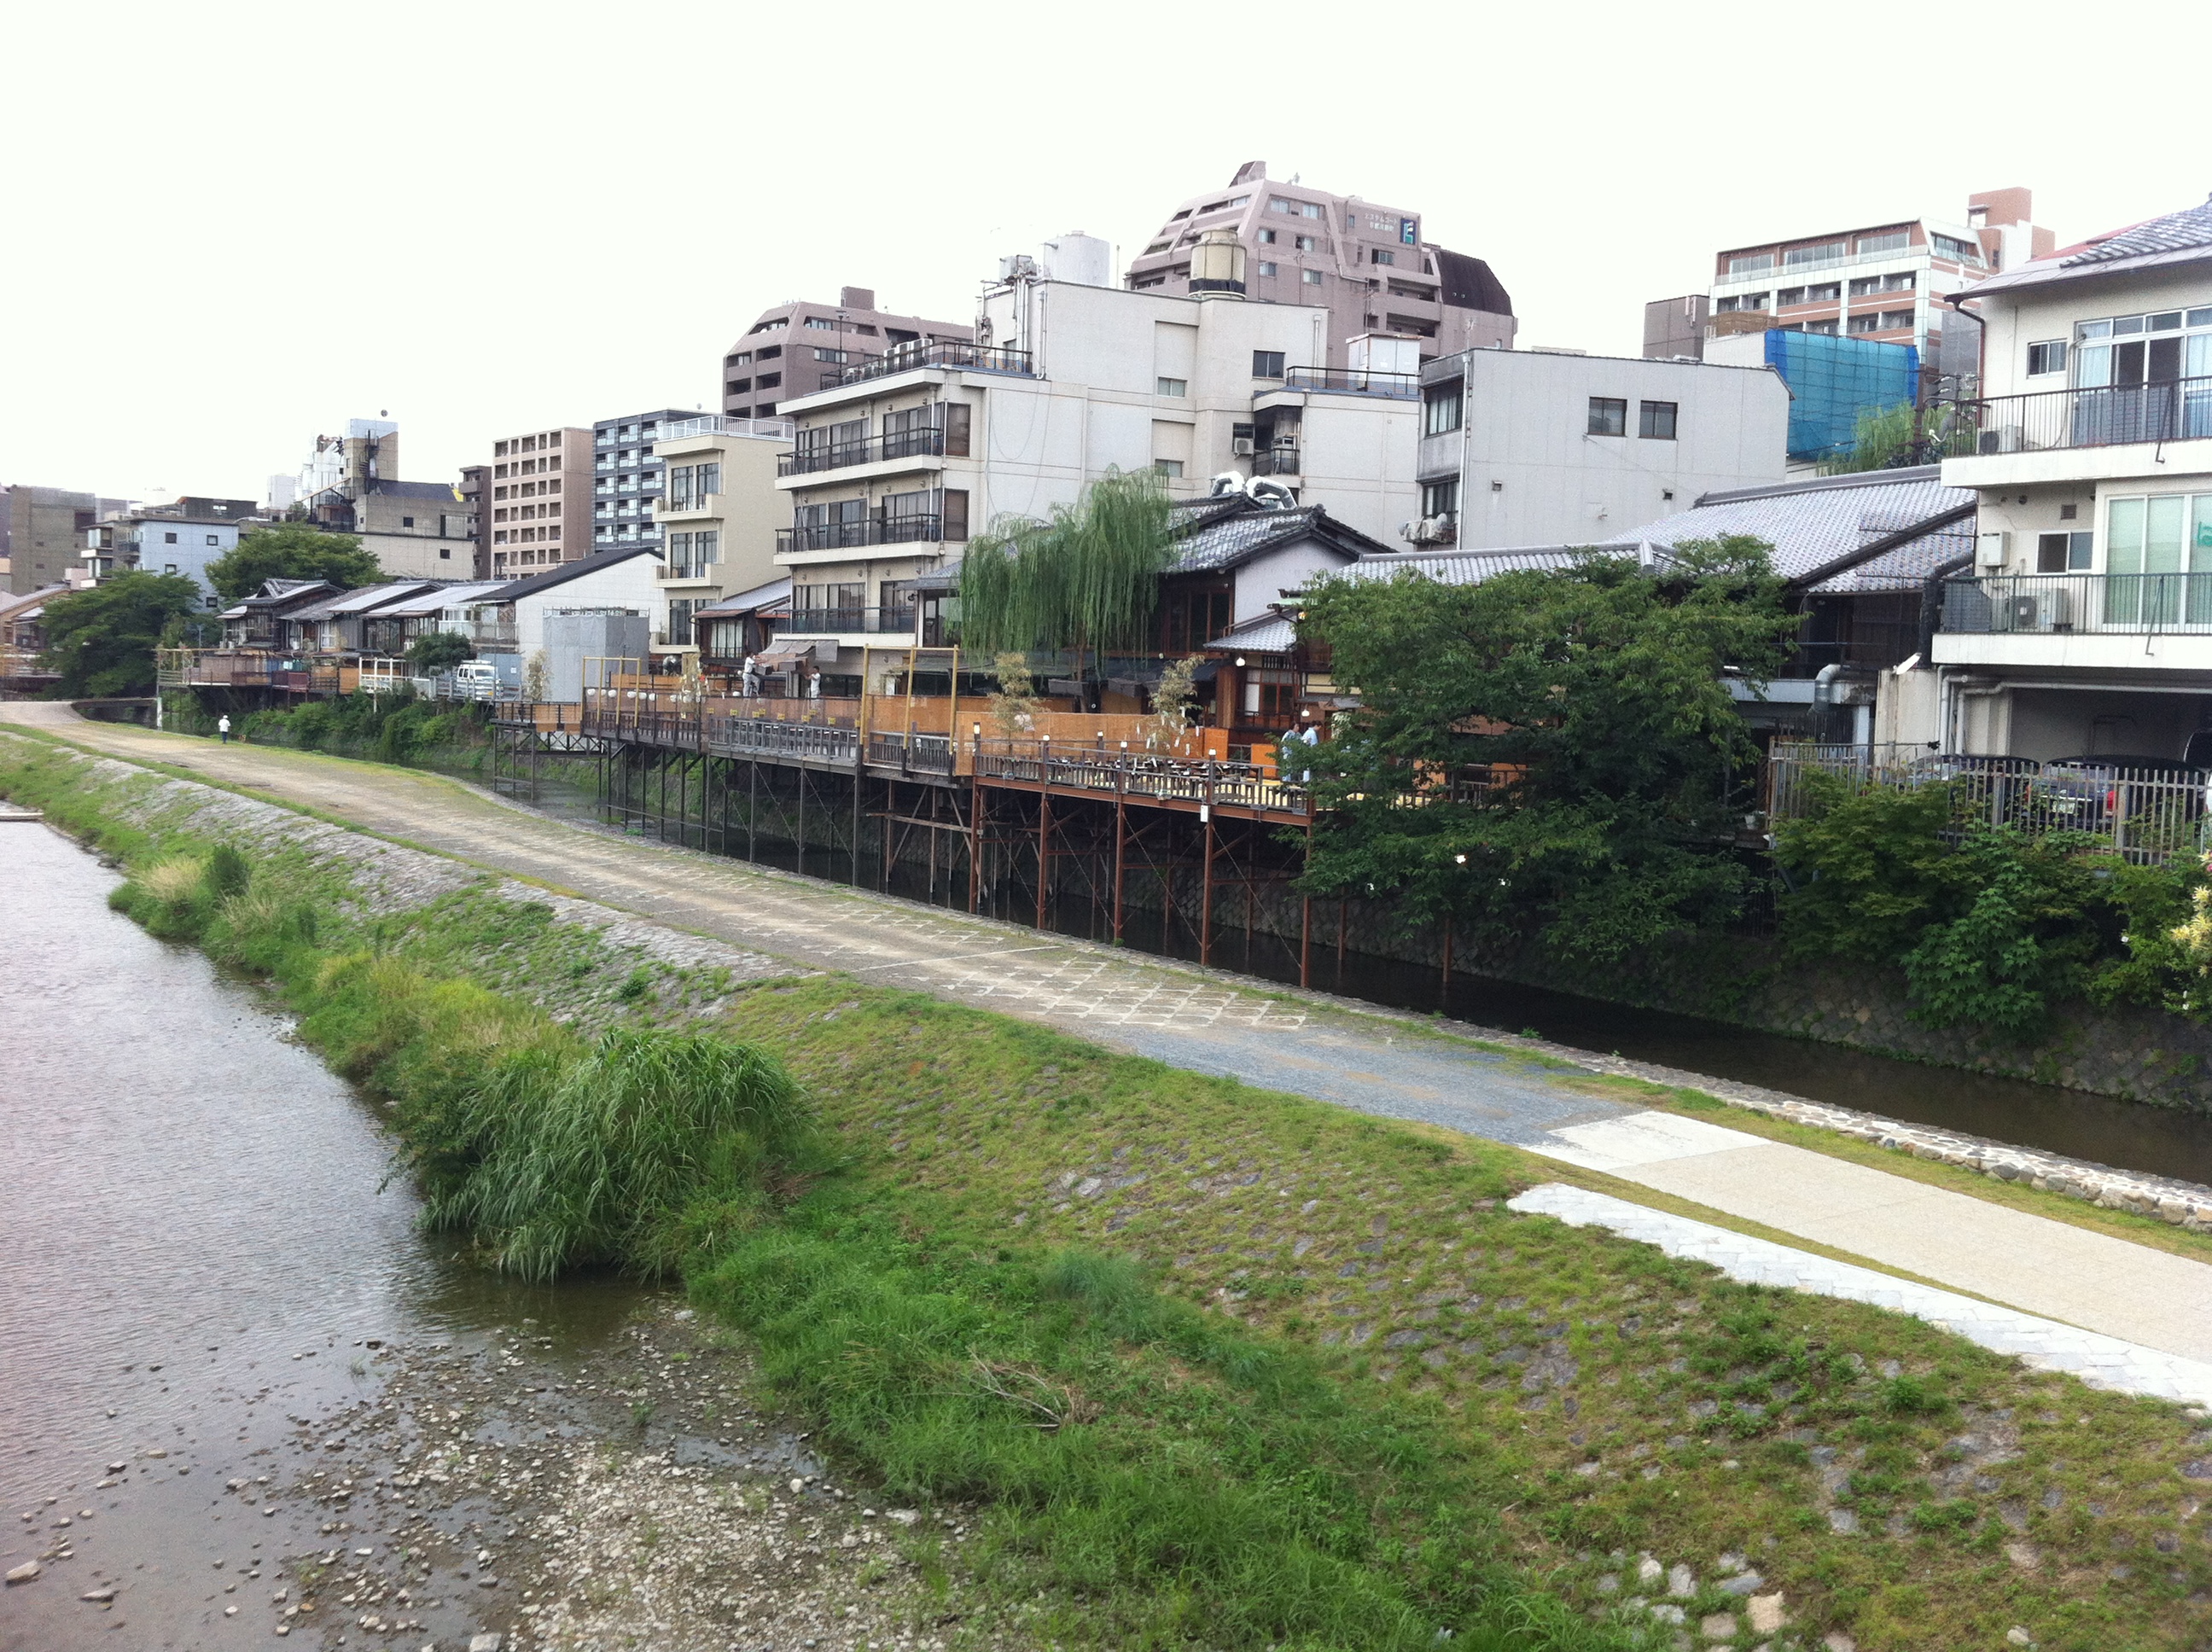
column 2176, row 232
column 745, row 602
column 562, row 573
column 2175, row 238
column 1264, row 634
column 1815, row 522
column 1471, row 567
column 444, row 597
column 1220, row 533
column 361, row 599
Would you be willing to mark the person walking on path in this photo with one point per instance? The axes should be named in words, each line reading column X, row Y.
column 222, row 727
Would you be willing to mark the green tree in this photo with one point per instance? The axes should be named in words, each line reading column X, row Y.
column 1087, row 579
column 101, row 639
column 291, row 550
column 435, row 652
column 1594, row 706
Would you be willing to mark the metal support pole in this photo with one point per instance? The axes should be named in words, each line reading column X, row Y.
column 1206, row 889
column 975, row 821
column 752, row 810
column 801, row 861
column 1121, row 855
column 1305, row 920
column 1447, row 946
column 1044, row 845
column 859, row 783
column 890, row 808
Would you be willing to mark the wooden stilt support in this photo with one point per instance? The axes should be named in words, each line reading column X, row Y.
column 752, row 809
column 975, row 821
column 890, row 808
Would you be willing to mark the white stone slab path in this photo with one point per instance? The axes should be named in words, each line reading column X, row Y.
column 2102, row 1362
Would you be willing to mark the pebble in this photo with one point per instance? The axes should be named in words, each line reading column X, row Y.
column 24, row 1573
column 101, row 1597
column 2018, row 1637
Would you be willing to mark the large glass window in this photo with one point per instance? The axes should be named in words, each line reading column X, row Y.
column 1608, row 416
column 1655, row 420
column 1440, row 409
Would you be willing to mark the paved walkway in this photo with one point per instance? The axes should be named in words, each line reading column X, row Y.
column 1203, row 1020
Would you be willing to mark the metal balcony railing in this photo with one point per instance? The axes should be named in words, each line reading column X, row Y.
column 1275, row 461
column 870, row 530
column 2078, row 604
column 2102, row 416
column 927, row 442
column 974, row 358
column 1337, row 381
column 817, row 622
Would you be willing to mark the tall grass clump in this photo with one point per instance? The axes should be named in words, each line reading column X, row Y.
column 652, row 1143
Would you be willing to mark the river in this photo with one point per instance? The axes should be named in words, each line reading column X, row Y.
column 203, row 1245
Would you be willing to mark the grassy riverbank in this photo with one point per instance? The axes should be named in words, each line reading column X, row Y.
column 1228, row 1368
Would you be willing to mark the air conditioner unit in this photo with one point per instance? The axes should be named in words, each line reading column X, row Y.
column 1990, row 548
column 2058, row 609
column 2019, row 613
column 2005, row 438
column 1242, row 446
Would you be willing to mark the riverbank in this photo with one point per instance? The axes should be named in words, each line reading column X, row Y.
column 1609, row 1400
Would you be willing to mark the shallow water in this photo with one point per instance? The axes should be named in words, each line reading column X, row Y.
column 201, row 1239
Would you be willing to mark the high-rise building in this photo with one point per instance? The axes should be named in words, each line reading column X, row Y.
column 1367, row 264
column 181, row 538
column 799, row 347
column 627, row 475
column 419, row 529
column 42, row 532
column 541, row 490
column 1885, row 280
column 476, row 494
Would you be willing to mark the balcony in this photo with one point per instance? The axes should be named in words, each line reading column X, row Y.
column 848, row 621
column 2104, row 416
column 1275, row 461
column 724, row 424
column 674, row 573
column 974, row 358
column 1405, row 387
column 872, row 531
column 669, row 508
column 2118, row 622
column 928, row 442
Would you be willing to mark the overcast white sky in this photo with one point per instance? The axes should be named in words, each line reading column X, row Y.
column 232, row 226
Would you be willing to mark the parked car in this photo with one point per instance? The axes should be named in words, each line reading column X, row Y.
column 475, row 679
column 2090, row 793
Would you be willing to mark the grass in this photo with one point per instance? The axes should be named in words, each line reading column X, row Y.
column 1063, row 1279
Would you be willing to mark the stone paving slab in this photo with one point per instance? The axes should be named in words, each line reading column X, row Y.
column 2101, row 1361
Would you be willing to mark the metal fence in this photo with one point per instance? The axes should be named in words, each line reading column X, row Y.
column 2147, row 815
column 2078, row 602
column 1142, row 774
column 2093, row 416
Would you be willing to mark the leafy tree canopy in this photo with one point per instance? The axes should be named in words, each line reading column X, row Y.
column 439, row 651
column 101, row 639
column 291, row 550
column 1596, row 698
column 1088, row 579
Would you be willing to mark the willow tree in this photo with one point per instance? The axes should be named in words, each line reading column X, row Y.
column 1088, row 580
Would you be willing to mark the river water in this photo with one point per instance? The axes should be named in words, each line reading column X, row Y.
column 202, row 1245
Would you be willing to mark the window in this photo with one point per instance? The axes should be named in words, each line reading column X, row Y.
column 1171, row 387
column 1827, row 326
column 737, row 386
column 770, row 353
column 1310, row 277
column 833, row 355
column 1789, row 295
column 1266, row 268
column 1266, row 364
column 1950, row 246
column 406, row 521
column 770, row 380
column 1751, row 263
column 1267, row 238
column 1379, row 255
column 1440, row 409
column 1655, row 420
column 211, row 540
column 1896, row 320
column 1295, row 209
column 168, row 567
column 1903, row 282
column 1865, row 285
column 1868, row 322
column 168, row 538
column 1818, row 295
column 1440, row 498
column 1309, row 243
column 2062, row 553
column 1608, row 416
column 1823, row 252
column 1170, row 468
column 821, row 322
column 2049, row 356
column 446, row 553
column 742, row 358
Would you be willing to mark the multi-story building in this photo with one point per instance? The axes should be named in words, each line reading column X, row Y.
column 1366, row 265
column 1884, row 281
column 182, row 537
column 626, row 477
column 475, row 495
column 796, row 348
column 896, row 466
column 418, row 530
column 42, row 532
column 2086, row 627
column 717, row 511
column 1675, row 327
column 541, row 490
column 1529, row 448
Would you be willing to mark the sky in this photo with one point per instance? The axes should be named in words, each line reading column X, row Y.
column 231, row 226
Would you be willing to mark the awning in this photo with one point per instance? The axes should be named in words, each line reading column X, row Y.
column 774, row 593
column 783, row 657
column 1146, row 680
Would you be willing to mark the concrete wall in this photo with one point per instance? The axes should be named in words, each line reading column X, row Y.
column 569, row 640
column 1530, row 473
column 629, row 585
column 197, row 544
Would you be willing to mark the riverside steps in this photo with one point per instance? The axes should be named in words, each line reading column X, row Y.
column 1391, row 1066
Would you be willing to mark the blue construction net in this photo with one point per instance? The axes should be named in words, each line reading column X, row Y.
column 1834, row 378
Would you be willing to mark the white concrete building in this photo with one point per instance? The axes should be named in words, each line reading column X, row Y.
column 621, row 582
column 1541, row 447
column 894, row 469
column 2086, row 627
column 717, row 512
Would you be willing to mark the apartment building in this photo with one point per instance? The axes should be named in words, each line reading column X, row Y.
column 181, row 538
column 796, row 348
column 1886, row 282
column 1528, row 447
column 42, row 532
column 541, row 497
column 1367, row 265
column 2085, row 626
column 716, row 513
column 475, row 496
column 415, row 530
